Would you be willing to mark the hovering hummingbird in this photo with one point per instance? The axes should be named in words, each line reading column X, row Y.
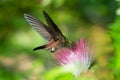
column 50, row 32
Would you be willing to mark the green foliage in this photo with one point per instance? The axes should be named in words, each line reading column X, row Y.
column 58, row 74
column 115, row 34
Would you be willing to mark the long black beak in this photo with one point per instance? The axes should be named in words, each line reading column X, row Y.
column 39, row 47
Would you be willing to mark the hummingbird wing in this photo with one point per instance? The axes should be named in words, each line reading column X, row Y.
column 55, row 31
column 40, row 27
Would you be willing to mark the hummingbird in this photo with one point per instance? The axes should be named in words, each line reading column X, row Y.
column 50, row 32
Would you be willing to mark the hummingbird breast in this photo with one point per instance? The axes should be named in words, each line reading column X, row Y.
column 53, row 45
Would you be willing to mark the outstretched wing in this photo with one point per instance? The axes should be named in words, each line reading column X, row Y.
column 40, row 27
column 54, row 29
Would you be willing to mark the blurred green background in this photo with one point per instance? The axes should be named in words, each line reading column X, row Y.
column 96, row 20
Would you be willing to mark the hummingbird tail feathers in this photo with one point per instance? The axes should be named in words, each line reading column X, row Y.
column 39, row 47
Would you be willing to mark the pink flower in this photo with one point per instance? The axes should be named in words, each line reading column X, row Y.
column 76, row 59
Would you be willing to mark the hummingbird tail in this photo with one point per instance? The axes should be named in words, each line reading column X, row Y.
column 39, row 47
